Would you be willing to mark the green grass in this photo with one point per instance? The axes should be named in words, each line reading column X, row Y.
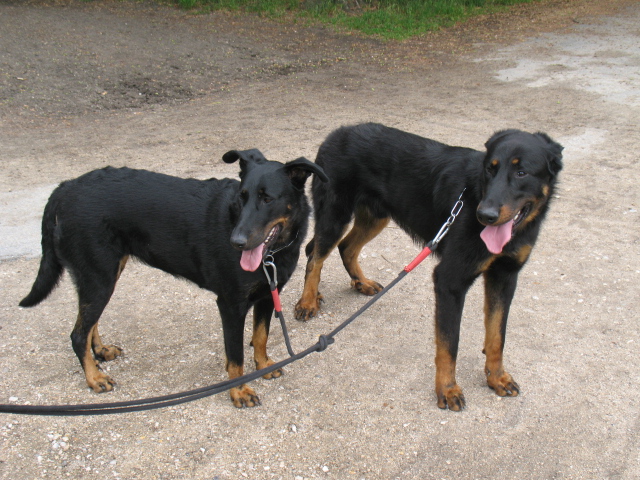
column 392, row 19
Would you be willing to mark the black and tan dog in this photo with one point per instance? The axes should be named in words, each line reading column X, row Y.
column 379, row 173
column 214, row 233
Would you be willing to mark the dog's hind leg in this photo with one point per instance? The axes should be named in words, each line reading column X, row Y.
column 95, row 288
column 107, row 352
column 365, row 228
column 262, row 313
column 83, row 334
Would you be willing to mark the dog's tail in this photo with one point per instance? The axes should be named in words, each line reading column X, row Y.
column 50, row 267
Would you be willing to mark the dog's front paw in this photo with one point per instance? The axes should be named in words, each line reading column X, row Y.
column 307, row 309
column 100, row 382
column 451, row 398
column 504, row 385
column 366, row 286
column 244, row 396
column 275, row 374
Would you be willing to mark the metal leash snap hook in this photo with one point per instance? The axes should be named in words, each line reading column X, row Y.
column 268, row 262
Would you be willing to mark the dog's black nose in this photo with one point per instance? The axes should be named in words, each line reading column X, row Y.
column 238, row 241
column 488, row 216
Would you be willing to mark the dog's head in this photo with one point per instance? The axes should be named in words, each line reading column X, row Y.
column 520, row 170
column 270, row 203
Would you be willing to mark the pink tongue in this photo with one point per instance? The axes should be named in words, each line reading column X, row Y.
column 495, row 238
column 251, row 259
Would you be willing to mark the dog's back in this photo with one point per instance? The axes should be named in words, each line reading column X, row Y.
column 136, row 213
column 392, row 173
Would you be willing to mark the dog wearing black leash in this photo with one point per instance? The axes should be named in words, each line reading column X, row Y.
column 380, row 173
column 214, row 233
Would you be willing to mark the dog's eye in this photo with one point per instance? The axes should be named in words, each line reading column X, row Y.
column 266, row 199
column 521, row 174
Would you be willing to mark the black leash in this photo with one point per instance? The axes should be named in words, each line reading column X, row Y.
column 177, row 398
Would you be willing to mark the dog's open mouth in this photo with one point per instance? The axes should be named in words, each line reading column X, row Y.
column 496, row 237
column 251, row 259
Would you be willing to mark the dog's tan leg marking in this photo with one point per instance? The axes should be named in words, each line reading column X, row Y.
column 103, row 352
column 99, row 381
column 259, row 342
column 309, row 303
column 107, row 352
column 495, row 318
column 447, row 390
column 242, row 396
column 365, row 228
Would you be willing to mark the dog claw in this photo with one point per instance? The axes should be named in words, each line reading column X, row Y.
column 452, row 398
column 108, row 353
column 366, row 286
column 305, row 310
column 102, row 383
column 503, row 385
column 268, row 376
column 244, row 396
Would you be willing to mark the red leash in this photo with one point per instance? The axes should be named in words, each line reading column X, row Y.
column 326, row 340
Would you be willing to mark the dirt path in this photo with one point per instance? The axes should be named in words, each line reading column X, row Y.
column 89, row 84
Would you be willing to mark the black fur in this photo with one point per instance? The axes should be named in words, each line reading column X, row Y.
column 190, row 228
column 380, row 173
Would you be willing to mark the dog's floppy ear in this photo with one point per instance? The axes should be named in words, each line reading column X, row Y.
column 554, row 150
column 300, row 169
column 497, row 136
column 246, row 157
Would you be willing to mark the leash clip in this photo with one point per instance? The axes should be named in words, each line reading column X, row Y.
column 269, row 262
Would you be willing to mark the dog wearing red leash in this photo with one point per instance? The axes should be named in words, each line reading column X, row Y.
column 213, row 232
column 380, row 174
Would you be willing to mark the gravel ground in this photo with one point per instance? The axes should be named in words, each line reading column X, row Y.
column 89, row 84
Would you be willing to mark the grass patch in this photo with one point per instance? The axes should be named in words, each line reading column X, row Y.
column 392, row 19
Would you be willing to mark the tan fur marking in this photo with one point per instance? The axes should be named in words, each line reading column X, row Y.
column 282, row 220
column 497, row 378
column 242, row 396
column 448, row 392
column 506, row 214
column 522, row 255
column 515, row 161
column 97, row 380
column 493, row 337
column 364, row 230
column 259, row 342
column 487, row 264
column 309, row 303
column 101, row 351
